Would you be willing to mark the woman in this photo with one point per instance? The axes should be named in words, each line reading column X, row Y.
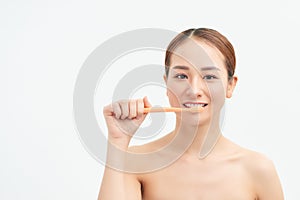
column 200, row 66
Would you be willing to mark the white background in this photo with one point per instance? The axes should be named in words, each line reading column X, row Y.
column 44, row 43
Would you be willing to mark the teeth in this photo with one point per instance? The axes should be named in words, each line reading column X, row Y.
column 194, row 105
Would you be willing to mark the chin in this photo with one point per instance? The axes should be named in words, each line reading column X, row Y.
column 194, row 119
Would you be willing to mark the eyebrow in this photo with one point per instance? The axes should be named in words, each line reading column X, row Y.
column 202, row 68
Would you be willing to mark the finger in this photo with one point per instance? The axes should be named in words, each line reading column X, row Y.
column 124, row 109
column 132, row 109
column 147, row 104
column 140, row 108
column 116, row 110
column 108, row 110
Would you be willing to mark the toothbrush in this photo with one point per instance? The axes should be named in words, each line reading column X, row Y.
column 172, row 109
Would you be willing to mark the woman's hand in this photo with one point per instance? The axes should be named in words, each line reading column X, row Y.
column 123, row 118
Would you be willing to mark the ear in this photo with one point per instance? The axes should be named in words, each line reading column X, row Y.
column 165, row 78
column 230, row 87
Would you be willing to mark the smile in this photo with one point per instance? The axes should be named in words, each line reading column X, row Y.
column 193, row 105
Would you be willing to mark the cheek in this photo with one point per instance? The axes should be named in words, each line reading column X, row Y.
column 174, row 92
column 173, row 97
column 217, row 94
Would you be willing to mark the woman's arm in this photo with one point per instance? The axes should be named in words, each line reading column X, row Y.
column 118, row 185
column 122, row 118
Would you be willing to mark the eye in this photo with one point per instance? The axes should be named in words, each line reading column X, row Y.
column 210, row 77
column 181, row 76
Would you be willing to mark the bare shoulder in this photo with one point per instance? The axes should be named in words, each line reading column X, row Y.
column 258, row 164
column 263, row 174
column 252, row 160
column 260, row 169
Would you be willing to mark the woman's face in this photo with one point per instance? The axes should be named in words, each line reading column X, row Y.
column 198, row 77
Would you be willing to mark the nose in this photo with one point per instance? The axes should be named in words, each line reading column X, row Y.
column 197, row 87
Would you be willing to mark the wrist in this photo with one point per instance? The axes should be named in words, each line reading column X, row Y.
column 118, row 143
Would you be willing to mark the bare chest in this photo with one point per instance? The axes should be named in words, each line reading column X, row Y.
column 201, row 181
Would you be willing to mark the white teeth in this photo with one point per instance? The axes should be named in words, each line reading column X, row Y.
column 189, row 105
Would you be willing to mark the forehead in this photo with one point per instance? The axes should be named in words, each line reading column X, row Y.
column 197, row 54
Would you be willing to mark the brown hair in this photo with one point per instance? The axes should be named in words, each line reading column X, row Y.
column 210, row 36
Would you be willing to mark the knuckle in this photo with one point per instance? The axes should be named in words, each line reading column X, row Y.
column 131, row 116
column 123, row 116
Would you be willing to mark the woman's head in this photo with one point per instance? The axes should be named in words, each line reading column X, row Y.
column 209, row 36
column 200, row 65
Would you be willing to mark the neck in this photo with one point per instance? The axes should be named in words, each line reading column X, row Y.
column 202, row 138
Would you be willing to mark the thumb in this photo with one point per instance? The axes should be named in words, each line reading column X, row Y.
column 147, row 104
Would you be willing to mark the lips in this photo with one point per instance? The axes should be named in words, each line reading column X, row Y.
column 194, row 104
